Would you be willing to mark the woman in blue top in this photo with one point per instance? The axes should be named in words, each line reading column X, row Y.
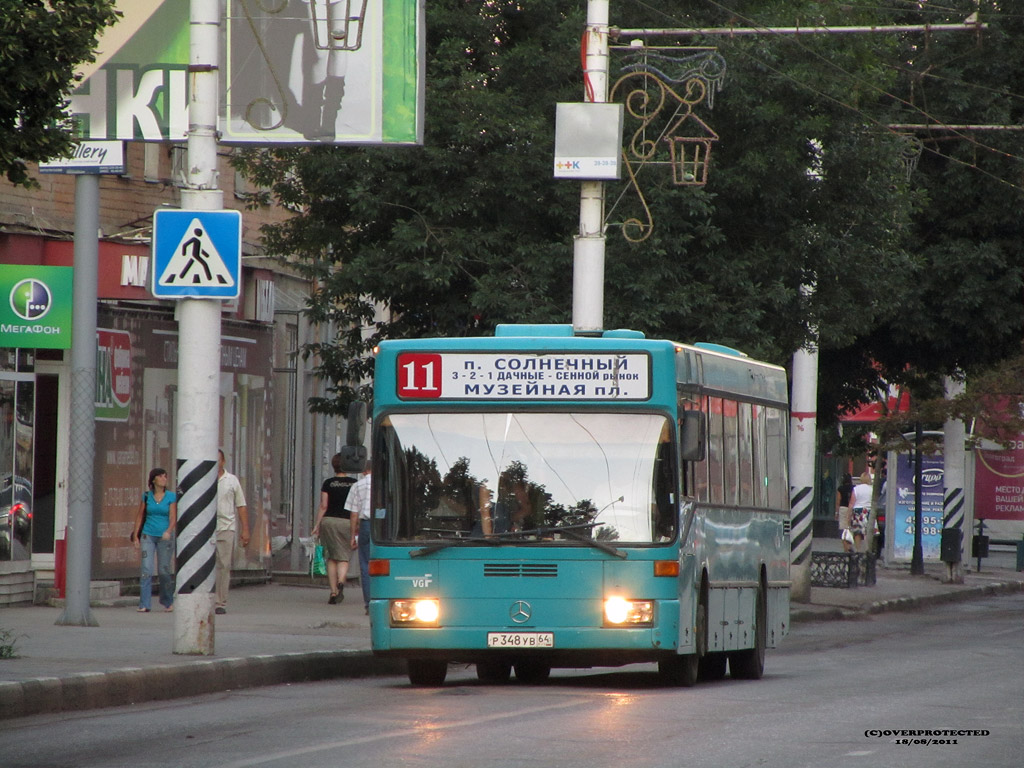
column 154, row 533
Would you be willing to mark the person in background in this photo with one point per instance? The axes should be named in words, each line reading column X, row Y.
column 880, row 503
column 334, row 529
column 845, row 492
column 358, row 505
column 153, row 533
column 230, row 507
column 861, row 509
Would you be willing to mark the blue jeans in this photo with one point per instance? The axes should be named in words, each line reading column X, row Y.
column 154, row 547
column 364, row 560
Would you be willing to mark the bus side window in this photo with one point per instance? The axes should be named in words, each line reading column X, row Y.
column 716, row 451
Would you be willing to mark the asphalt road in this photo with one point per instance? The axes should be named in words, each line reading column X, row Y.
column 828, row 698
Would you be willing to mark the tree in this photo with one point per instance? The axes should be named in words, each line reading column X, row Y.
column 41, row 44
column 809, row 187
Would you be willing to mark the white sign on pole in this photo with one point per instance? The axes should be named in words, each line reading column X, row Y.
column 89, row 157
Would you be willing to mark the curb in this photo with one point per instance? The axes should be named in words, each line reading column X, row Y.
column 132, row 685
column 912, row 603
column 827, row 613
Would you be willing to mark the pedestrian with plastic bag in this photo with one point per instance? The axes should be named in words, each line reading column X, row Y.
column 333, row 528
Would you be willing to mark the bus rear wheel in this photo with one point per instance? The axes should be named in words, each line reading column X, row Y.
column 748, row 664
column 530, row 671
column 427, row 672
column 493, row 671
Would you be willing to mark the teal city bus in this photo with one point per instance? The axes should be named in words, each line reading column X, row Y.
column 544, row 500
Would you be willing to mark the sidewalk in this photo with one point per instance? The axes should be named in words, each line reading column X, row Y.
column 276, row 634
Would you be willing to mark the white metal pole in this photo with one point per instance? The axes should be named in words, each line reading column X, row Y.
column 589, row 243
column 967, row 26
column 802, row 445
column 198, row 404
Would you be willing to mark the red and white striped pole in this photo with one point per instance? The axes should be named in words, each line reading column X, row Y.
column 803, row 428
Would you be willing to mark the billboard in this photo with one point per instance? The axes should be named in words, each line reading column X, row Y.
column 293, row 72
column 999, row 482
column 932, row 486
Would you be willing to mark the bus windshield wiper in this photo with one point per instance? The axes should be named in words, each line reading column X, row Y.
column 569, row 531
column 456, row 542
column 595, row 543
column 495, row 539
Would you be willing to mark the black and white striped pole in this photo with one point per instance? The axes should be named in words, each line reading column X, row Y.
column 198, row 403
column 802, row 446
column 954, row 506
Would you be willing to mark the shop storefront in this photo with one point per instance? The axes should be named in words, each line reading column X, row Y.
column 135, row 408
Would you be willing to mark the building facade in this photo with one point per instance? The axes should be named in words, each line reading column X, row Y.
column 277, row 449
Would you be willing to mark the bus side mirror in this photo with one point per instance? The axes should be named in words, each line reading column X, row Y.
column 692, row 435
column 353, row 453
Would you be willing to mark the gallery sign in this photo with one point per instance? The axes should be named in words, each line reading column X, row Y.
column 35, row 306
column 89, row 157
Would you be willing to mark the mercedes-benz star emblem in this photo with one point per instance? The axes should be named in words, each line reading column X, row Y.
column 520, row 611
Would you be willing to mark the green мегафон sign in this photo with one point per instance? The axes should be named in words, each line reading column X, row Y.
column 35, row 306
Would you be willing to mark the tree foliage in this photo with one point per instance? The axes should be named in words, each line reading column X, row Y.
column 41, row 44
column 814, row 223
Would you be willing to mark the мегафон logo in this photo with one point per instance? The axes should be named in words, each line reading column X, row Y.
column 31, row 299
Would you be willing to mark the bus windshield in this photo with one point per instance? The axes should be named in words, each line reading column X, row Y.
column 517, row 478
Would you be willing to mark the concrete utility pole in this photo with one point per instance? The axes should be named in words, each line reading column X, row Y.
column 198, row 405
column 803, row 429
column 83, row 403
column 589, row 244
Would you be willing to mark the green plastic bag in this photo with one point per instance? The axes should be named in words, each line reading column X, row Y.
column 318, row 566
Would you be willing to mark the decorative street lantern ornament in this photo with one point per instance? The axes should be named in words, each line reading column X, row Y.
column 662, row 127
column 691, row 154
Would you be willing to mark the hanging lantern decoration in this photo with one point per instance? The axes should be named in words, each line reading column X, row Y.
column 691, row 155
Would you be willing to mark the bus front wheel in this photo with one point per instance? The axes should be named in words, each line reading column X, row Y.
column 679, row 670
column 427, row 672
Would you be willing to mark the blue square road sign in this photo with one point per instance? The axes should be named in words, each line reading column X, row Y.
column 197, row 254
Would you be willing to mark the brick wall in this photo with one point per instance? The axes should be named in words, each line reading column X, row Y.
column 126, row 202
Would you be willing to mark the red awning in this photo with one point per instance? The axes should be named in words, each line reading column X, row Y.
column 871, row 412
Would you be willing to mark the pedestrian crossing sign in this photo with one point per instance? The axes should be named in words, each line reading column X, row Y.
column 197, row 254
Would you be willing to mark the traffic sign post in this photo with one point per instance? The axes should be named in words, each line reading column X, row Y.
column 197, row 254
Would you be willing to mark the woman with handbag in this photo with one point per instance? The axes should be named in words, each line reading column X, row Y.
column 153, row 533
column 334, row 528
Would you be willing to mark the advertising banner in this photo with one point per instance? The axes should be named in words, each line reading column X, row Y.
column 999, row 483
column 932, row 476
column 35, row 306
column 293, row 72
column 113, row 374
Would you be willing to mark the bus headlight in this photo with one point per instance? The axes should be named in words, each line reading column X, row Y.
column 618, row 611
column 415, row 612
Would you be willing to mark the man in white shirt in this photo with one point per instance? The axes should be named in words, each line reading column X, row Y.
column 230, row 506
column 358, row 504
